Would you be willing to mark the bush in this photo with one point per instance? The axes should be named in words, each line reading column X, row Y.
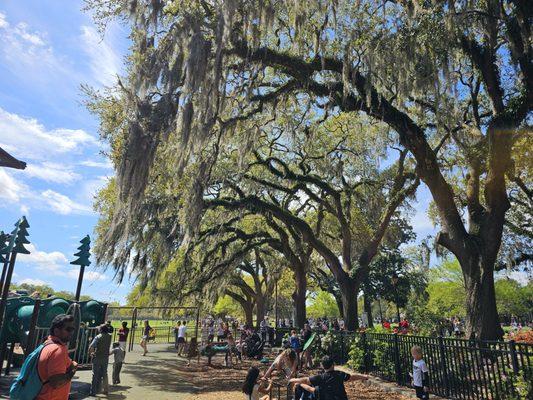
column 356, row 356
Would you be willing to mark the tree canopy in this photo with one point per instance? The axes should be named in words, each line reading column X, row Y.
column 447, row 84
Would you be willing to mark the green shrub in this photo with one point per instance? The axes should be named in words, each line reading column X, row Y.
column 356, row 356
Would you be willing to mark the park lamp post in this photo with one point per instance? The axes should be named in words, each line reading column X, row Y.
column 83, row 261
column 8, row 254
column 395, row 285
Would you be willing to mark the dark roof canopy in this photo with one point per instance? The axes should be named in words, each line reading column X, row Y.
column 7, row 160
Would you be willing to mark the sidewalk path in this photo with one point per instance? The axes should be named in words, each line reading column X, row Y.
column 154, row 376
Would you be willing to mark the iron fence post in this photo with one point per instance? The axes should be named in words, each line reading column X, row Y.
column 366, row 363
column 397, row 360
column 514, row 357
column 442, row 350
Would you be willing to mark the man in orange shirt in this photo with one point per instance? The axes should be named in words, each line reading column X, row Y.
column 56, row 369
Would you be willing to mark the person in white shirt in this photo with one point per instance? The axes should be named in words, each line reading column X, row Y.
column 420, row 374
column 182, row 331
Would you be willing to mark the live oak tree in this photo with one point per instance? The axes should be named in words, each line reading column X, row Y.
column 452, row 79
column 337, row 175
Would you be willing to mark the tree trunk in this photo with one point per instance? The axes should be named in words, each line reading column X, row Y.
column 260, row 309
column 482, row 321
column 367, row 302
column 338, row 300
column 299, row 296
column 248, row 313
column 348, row 290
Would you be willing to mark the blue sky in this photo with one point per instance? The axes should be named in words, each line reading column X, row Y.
column 48, row 48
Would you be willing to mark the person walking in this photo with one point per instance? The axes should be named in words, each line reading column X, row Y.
column 176, row 334
column 182, row 332
column 146, row 335
column 118, row 354
column 55, row 367
column 122, row 334
column 99, row 350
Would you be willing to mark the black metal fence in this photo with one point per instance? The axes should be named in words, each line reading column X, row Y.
column 459, row 368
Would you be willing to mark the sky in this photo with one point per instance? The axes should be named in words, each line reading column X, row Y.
column 48, row 48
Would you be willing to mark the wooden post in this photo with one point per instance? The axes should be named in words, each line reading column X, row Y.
column 30, row 345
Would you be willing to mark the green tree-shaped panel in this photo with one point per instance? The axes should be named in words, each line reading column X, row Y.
column 84, row 252
column 20, row 236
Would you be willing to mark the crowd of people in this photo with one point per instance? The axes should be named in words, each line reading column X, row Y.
column 56, row 369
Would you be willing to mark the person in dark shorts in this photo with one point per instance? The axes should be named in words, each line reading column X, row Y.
column 420, row 374
column 330, row 384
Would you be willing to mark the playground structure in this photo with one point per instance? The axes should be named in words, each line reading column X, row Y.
column 27, row 322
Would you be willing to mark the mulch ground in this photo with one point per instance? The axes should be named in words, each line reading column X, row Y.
column 223, row 383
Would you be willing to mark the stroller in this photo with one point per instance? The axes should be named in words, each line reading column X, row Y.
column 254, row 346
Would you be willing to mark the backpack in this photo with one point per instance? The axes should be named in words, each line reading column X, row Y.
column 28, row 384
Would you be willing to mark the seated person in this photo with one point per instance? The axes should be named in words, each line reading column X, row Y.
column 253, row 387
column 286, row 361
column 329, row 384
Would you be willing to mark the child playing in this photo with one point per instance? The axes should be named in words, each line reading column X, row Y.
column 294, row 342
column 253, row 388
column 420, row 373
column 119, row 355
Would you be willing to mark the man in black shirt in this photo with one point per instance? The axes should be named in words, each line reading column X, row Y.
column 330, row 384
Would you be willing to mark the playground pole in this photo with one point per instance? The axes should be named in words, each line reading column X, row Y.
column 5, row 289
column 80, row 280
column 4, row 272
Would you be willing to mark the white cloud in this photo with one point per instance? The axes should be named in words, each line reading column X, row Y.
column 104, row 61
column 24, row 210
column 10, row 189
column 52, row 172
column 51, row 262
column 97, row 164
column 34, row 282
column 33, row 38
column 63, row 204
column 19, row 135
column 3, row 21
column 87, row 275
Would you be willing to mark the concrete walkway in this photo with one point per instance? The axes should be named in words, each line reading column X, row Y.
column 153, row 377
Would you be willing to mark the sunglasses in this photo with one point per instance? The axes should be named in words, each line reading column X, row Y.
column 69, row 329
